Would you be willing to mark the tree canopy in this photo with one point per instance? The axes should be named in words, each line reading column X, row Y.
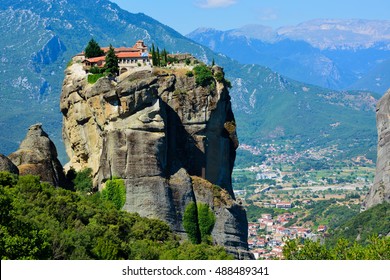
column 39, row 221
column 376, row 249
column 93, row 49
column 111, row 65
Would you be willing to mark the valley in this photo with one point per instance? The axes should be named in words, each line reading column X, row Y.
column 290, row 194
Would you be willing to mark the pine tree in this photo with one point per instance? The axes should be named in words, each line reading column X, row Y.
column 112, row 64
column 93, row 49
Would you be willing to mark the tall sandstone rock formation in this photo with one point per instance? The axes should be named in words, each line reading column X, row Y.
column 172, row 142
column 380, row 191
column 37, row 155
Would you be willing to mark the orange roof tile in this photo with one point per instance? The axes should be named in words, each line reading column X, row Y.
column 129, row 54
column 96, row 59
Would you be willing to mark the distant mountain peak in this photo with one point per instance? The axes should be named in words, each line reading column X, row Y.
column 320, row 33
column 339, row 33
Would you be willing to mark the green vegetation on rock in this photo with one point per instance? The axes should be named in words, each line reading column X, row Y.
column 92, row 78
column 198, row 222
column 203, row 75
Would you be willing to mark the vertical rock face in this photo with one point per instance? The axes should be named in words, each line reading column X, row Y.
column 37, row 155
column 380, row 191
column 156, row 129
column 7, row 165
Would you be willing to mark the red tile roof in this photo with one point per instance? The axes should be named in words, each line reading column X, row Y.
column 128, row 54
column 96, row 59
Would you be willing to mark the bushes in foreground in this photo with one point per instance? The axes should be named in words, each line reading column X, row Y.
column 376, row 249
column 38, row 221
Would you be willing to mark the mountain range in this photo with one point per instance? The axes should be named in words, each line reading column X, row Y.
column 39, row 37
column 336, row 54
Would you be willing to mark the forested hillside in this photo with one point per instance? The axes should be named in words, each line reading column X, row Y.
column 38, row 221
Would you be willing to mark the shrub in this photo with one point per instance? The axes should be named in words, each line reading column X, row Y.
column 376, row 249
column 30, row 184
column 115, row 191
column 188, row 251
column 219, row 77
column 94, row 77
column 96, row 70
column 8, row 179
column 38, row 221
column 190, row 74
column 203, row 75
column 83, row 180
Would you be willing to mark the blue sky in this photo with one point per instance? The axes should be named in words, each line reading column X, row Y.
column 187, row 15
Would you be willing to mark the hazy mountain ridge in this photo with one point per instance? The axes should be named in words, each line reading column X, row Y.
column 336, row 34
column 320, row 33
column 339, row 54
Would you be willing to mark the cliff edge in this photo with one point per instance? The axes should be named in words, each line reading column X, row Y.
column 380, row 191
column 163, row 133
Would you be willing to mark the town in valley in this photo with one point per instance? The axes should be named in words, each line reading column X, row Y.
column 301, row 194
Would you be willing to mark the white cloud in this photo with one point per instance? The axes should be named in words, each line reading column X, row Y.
column 215, row 3
column 268, row 14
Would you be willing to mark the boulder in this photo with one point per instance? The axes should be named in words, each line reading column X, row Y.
column 7, row 165
column 37, row 155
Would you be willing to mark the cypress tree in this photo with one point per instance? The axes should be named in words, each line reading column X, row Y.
column 206, row 220
column 165, row 57
column 154, row 56
column 112, row 64
column 190, row 223
column 158, row 57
